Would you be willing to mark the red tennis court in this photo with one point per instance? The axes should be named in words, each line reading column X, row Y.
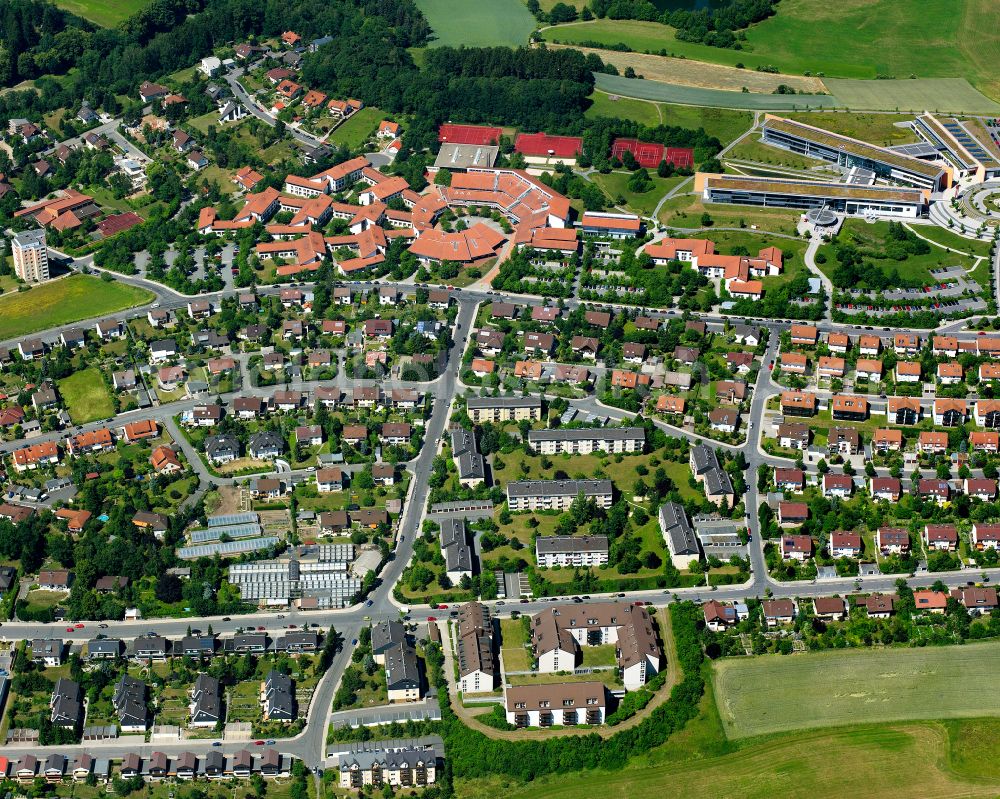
column 469, row 134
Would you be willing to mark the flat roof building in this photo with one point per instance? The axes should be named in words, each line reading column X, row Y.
column 967, row 144
column 848, row 153
column 459, row 157
column 805, row 195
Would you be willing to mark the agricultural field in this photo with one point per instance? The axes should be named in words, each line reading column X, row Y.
column 478, row 24
column 86, row 397
column 699, row 75
column 663, row 92
column 60, row 302
column 954, row 95
column 763, row 695
column 861, row 39
column 102, row 12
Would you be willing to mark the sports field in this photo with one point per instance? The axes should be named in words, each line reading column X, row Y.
column 105, row 13
column 762, row 695
column 60, row 302
column 478, row 24
column 86, row 396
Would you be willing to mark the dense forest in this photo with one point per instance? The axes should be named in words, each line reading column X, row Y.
column 531, row 88
column 38, row 41
column 535, row 89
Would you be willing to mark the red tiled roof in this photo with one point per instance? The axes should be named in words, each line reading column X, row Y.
column 116, row 223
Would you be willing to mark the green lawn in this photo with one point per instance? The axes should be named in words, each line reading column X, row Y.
column 86, row 397
column 603, row 655
column 512, row 646
column 102, row 12
column 641, row 111
column 685, row 210
column 474, row 23
column 357, row 128
column 753, row 149
column 930, row 760
column 881, row 129
column 60, row 302
column 870, row 238
column 947, row 238
column 763, row 695
column 615, row 184
column 723, row 123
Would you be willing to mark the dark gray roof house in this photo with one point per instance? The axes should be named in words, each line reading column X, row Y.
column 279, row 697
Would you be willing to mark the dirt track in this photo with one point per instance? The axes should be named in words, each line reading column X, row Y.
column 700, row 75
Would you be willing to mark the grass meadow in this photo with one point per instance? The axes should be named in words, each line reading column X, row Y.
column 105, row 13
column 478, row 24
column 765, row 695
column 86, row 396
column 62, row 301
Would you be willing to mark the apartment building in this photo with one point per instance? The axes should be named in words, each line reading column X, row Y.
column 556, row 494
column 558, row 633
column 569, row 550
column 504, row 409
column 587, row 440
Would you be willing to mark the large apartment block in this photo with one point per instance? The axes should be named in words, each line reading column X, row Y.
column 571, row 550
column 504, row 409
column 475, row 649
column 557, row 634
column 586, row 440
column 558, row 703
column 556, row 494
column 31, row 256
column 397, row 767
